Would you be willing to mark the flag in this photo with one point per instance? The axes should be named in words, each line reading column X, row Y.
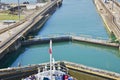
column 50, row 49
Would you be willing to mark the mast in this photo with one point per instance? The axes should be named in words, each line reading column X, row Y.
column 50, row 51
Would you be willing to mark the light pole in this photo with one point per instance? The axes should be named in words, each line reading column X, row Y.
column 0, row 3
column 112, row 4
column 19, row 9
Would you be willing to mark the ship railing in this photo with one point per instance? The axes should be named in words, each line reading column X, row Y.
column 117, row 75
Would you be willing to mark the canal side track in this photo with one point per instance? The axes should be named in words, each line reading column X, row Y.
column 11, row 38
column 110, row 16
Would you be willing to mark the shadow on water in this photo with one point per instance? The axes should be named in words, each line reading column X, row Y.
column 10, row 58
column 46, row 44
column 114, row 50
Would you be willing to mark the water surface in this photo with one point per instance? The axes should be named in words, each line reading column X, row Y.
column 90, row 55
column 77, row 17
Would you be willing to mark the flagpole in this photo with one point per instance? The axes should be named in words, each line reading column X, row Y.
column 50, row 51
column 50, row 66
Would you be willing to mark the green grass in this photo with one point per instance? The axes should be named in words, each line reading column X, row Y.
column 6, row 16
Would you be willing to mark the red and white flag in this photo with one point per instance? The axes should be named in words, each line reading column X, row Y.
column 50, row 49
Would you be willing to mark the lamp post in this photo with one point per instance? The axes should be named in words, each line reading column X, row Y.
column 112, row 4
column 19, row 9
column 0, row 3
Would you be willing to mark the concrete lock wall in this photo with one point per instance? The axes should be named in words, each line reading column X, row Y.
column 39, row 19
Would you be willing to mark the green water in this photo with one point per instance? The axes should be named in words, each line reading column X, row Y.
column 78, row 17
column 90, row 55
